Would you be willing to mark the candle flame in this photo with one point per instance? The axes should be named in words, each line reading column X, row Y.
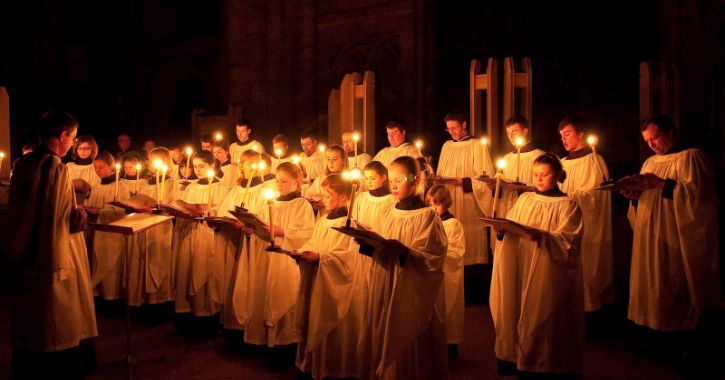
column 278, row 152
column 355, row 174
column 269, row 194
column 118, row 166
column 501, row 164
column 2, row 154
column 519, row 141
column 296, row 159
column 138, row 167
column 189, row 151
column 592, row 140
column 164, row 168
column 322, row 148
column 356, row 137
column 254, row 147
column 419, row 144
column 262, row 165
column 484, row 141
column 218, row 136
column 157, row 164
column 210, row 174
column 254, row 165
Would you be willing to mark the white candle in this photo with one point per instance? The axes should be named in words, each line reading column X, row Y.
column 593, row 140
column 157, row 171
column 118, row 174
column 138, row 173
column 189, row 152
column 278, row 152
column 210, row 176
column 519, row 144
column 353, row 176
column 2, row 157
column 261, row 166
column 484, row 142
column 419, row 146
column 501, row 164
column 164, row 169
column 355, row 139
column 269, row 195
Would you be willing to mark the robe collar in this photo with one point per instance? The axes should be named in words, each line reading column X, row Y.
column 225, row 163
column 337, row 213
column 291, row 196
column 205, row 181
column 245, row 142
column 84, row 161
column 108, row 180
column 269, row 177
column 379, row 192
column 555, row 192
column 411, row 203
column 255, row 181
column 525, row 149
column 465, row 138
column 578, row 153
column 447, row 215
column 403, row 144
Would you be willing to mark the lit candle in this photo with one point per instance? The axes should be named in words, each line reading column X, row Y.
column 296, row 159
column 355, row 139
column 249, row 182
column 164, row 169
column 210, row 176
column 138, row 173
column 262, row 167
column 189, row 152
column 278, row 152
column 593, row 140
column 519, row 143
column 353, row 176
column 118, row 173
column 157, row 171
column 322, row 148
column 218, row 136
column 484, row 142
column 254, row 147
column 419, row 146
column 269, row 195
column 501, row 164
column 2, row 157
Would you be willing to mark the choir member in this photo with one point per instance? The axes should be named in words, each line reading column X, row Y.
column 132, row 173
column 206, row 142
column 148, row 146
column 243, row 130
column 536, row 290
column 311, row 158
column 177, row 156
column 584, row 171
column 52, row 298
column 372, row 206
column 280, row 149
column 124, row 145
column 229, row 169
column 109, row 250
column 336, row 162
column 199, row 269
column 84, row 152
column 440, row 200
column 332, row 301
column 674, row 276
column 406, row 306
column 266, row 172
column 399, row 147
column 463, row 159
column 272, row 317
column 158, row 158
column 358, row 160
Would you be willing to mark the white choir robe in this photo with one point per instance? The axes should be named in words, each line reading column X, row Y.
column 315, row 165
column 174, row 172
column 134, row 185
column 314, row 191
column 238, row 298
column 469, row 159
column 453, row 280
column 371, row 210
column 387, row 155
column 52, row 295
column 674, row 275
column 332, row 304
column 109, row 250
column 536, row 289
column 274, row 293
column 228, row 242
column 359, row 162
column 150, row 267
column 231, row 175
column 237, row 148
column 406, row 305
column 84, row 172
column 582, row 176
column 198, row 269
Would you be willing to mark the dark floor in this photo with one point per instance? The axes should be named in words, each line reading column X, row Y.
column 163, row 351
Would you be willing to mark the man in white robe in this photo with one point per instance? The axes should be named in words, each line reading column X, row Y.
column 673, row 213
column 585, row 171
column 52, row 303
column 462, row 160
column 312, row 159
column 358, row 160
column 243, row 130
column 398, row 145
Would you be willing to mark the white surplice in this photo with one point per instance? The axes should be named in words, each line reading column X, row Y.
column 315, row 164
column 453, row 280
column 387, row 155
column 359, row 162
column 536, row 289
column 84, row 172
column 237, row 148
column 371, row 211
column 231, row 175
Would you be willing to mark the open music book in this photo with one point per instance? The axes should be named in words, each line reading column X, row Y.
column 261, row 229
column 368, row 237
column 630, row 182
column 507, row 185
column 184, row 209
column 137, row 203
column 133, row 223
column 509, row 226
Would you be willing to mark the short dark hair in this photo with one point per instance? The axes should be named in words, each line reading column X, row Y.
column 223, row 143
column 308, row 134
column 243, row 123
column 337, row 183
column 396, row 123
column 205, row 156
column 553, row 161
column 53, row 123
column 440, row 194
column 575, row 122
column 279, row 138
column 517, row 119
column 456, row 115
column 663, row 122
column 207, row 139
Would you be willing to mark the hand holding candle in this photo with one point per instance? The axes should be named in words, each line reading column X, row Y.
column 501, row 165
column 592, row 140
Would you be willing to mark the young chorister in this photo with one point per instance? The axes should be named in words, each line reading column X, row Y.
column 159, row 185
column 371, row 207
column 280, row 151
column 133, row 175
column 84, row 152
column 406, row 308
column 277, row 277
column 336, row 161
column 109, row 250
column 440, row 200
column 332, row 299
column 536, row 289
column 199, row 270
column 229, row 169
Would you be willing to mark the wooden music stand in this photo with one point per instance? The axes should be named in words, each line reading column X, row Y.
column 352, row 108
column 485, row 84
column 521, row 81
column 128, row 226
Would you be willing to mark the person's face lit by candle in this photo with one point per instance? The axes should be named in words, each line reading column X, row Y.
column 280, row 149
column 207, row 146
column 102, row 170
column 572, row 140
column 456, row 130
column 402, row 184
column 286, row 183
column 396, row 136
column 516, row 130
column 374, row 180
column 67, row 138
column 660, row 142
column 332, row 199
column 348, row 142
column 220, row 154
column 335, row 162
column 243, row 132
column 544, row 177
column 309, row 145
column 84, row 150
column 124, row 142
column 176, row 155
column 201, row 167
column 129, row 168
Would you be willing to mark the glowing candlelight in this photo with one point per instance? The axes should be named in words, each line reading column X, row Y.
column 157, row 170
column 118, row 174
column 419, row 146
column 189, row 152
column 218, row 136
column 164, row 169
column 138, row 173
column 254, row 147
column 322, row 148
column 519, row 143
column 592, row 140
column 262, row 167
column 210, row 176
column 353, row 176
column 501, row 165
column 484, row 141
column 355, row 139
column 296, row 160
column 2, row 157
column 278, row 153
column 269, row 194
